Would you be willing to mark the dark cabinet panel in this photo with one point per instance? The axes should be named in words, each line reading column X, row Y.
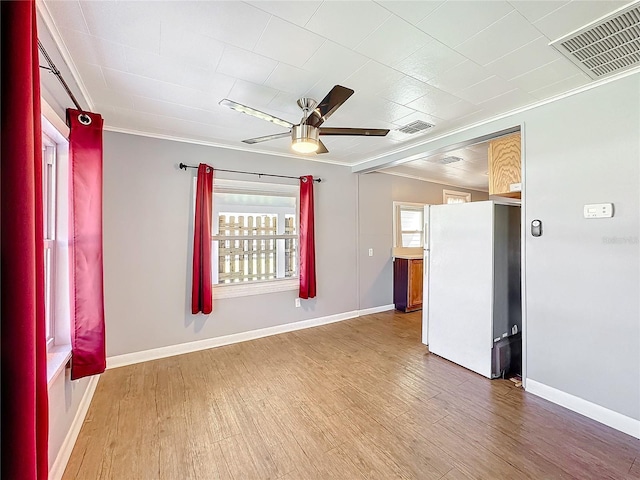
column 407, row 284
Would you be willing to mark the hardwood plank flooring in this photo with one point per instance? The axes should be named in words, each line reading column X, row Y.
column 359, row 399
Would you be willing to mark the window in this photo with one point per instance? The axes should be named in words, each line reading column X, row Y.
column 255, row 237
column 451, row 196
column 49, row 217
column 55, row 209
column 408, row 224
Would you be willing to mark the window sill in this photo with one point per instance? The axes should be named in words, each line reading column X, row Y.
column 254, row 288
column 57, row 358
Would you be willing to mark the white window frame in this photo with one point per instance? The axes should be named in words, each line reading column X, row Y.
column 256, row 287
column 59, row 341
column 447, row 194
column 49, row 192
column 397, row 232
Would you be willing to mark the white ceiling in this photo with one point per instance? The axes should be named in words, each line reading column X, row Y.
column 162, row 67
column 469, row 172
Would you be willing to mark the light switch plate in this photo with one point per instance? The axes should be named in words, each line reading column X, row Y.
column 598, row 210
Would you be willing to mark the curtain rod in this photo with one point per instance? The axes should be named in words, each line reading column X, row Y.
column 184, row 166
column 53, row 69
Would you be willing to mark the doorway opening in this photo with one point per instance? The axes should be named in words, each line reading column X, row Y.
column 473, row 262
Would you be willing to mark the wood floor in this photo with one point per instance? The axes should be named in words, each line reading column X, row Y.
column 351, row 400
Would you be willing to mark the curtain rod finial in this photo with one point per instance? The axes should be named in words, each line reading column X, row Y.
column 182, row 166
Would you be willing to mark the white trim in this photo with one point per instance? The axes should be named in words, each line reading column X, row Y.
column 245, row 289
column 57, row 358
column 615, row 420
column 171, row 350
column 381, row 308
column 60, row 463
column 208, row 143
column 43, row 9
column 60, row 132
column 224, row 185
column 455, row 193
column 523, row 251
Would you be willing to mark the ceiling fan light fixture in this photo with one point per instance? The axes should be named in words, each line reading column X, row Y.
column 304, row 138
column 238, row 107
column 307, row 145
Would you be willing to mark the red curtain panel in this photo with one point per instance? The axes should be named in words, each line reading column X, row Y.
column 88, row 356
column 25, row 421
column 307, row 242
column 201, row 290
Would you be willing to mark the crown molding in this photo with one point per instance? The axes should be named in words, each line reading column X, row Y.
column 207, row 143
column 44, row 12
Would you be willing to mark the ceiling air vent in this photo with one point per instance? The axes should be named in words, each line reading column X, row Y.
column 607, row 46
column 415, row 127
column 444, row 160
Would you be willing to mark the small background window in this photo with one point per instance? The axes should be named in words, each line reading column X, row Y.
column 451, row 196
column 408, row 224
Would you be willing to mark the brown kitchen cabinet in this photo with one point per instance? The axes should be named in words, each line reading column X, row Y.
column 505, row 168
column 407, row 284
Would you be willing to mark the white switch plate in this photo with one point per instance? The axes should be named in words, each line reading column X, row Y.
column 598, row 210
column 297, row 302
column 371, row 252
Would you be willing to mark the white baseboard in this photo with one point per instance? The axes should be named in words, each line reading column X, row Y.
column 382, row 308
column 57, row 469
column 171, row 350
column 615, row 420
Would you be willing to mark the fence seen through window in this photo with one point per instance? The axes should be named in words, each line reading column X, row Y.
column 250, row 247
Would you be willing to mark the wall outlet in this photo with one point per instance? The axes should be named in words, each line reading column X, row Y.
column 371, row 252
column 297, row 302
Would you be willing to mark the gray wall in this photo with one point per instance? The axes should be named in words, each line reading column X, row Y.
column 582, row 276
column 583, row 314
column 376, row 194
column 147, row 242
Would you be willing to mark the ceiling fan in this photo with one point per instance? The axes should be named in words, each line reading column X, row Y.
column 305, row 135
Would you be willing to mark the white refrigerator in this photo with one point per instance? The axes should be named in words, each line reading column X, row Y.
column 472, row 281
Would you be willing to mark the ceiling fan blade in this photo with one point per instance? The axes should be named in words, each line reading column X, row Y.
column 225, row 102
column 336, row 97
column 266, row 138
column 321, row 148
column 367, row 132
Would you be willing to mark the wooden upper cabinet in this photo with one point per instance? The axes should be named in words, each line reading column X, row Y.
column 505, row 166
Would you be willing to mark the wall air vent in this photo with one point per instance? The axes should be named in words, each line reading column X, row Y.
column 607, row 46
column 415, row 127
